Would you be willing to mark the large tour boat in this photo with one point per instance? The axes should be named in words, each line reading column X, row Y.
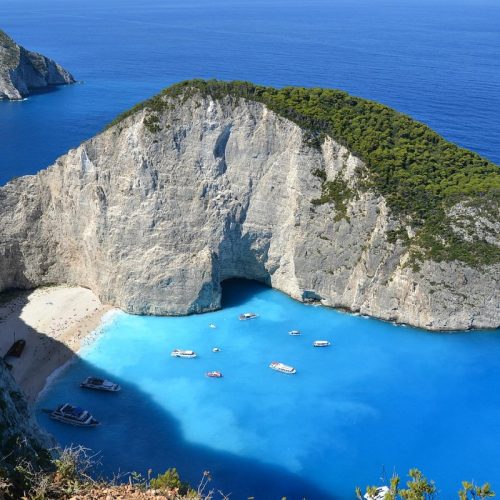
column 179, row 353
column 100, row 384
column 281, row 367
column 73, row 415
column 321, row 343
column 249, row 315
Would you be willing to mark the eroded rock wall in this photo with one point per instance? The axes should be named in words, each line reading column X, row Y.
column 20, row 436
column 153, row 220
column 22, row 70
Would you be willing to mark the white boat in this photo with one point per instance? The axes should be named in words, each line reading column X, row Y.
column 179, row 353
column 321, row 343
column 74, row 415
column 249, row 315
column 215, row 349
column 212, row 325
column 294, row 332
column 281, row 367
column 100, row 384
column 379, row 493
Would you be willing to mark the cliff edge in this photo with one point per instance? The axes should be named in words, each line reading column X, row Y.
column 22, row 71
column 21, row 439
column 324, row 196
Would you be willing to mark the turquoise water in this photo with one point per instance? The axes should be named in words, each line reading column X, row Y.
column 437, row 60
column 381, row 398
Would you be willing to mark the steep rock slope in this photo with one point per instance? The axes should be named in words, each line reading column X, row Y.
column 154, row 213
column 20, row 436
column 22, row 71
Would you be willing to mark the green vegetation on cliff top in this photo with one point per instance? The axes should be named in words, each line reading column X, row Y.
column 419, row 173
column 9, row 55
column 5, row 40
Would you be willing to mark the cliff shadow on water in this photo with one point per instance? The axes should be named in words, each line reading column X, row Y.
column 237, row 291
column 137, row 434
column 155, row 442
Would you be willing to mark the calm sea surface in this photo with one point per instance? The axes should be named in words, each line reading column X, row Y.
column 381, row 397
column 437, row 60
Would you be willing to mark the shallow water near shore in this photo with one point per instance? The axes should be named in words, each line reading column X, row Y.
column 380, row 398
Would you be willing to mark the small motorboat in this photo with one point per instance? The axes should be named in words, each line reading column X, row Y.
column 73, row 415
column 215, row 349
column 100, row 384
column 294, row 332
column 281, row 367
column 212, row 325
column 16, row 349
column 214, row 374
column 249, row 315
column 321, row 343
column 179, row 353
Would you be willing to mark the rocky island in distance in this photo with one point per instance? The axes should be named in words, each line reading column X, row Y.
column 22, row 71
column 212, row 180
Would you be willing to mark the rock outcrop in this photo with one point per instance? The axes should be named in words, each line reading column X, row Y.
column 22, row 71
column 154, row 213
column 20, row 436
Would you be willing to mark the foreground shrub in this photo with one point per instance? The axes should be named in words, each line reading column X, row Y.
column 420, row 488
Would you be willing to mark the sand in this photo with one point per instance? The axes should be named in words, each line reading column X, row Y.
column 54, row 321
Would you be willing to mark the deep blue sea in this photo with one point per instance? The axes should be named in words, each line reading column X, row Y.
column 437, row 60
column 381, row 398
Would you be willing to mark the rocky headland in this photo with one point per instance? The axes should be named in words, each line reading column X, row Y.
column 324, row 196
column 22, row 71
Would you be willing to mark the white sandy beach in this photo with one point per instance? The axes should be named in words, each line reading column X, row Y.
column 54, row 321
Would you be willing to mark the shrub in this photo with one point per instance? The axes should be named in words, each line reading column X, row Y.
column 170, row 481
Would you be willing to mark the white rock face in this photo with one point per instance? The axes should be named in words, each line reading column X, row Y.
column 154, row 222
column 22, row 71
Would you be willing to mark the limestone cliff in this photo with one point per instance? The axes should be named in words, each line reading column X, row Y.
column 22, row 71
column 155, row 212
column 20, row 436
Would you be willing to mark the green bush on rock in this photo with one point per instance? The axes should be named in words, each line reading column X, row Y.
column 420, row 488
column 169, row 481
column 419, row 173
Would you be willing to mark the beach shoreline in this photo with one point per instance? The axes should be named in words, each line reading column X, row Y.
column 54, row 321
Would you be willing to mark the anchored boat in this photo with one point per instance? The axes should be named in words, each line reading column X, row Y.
column 214, row 374
column 73, row 415
column 294, row 332
column 16, row 349
column 100, row 384
column 281, row 367
column 321, row 343
column 248, row 315
column 215, row 349
column 179, row 353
